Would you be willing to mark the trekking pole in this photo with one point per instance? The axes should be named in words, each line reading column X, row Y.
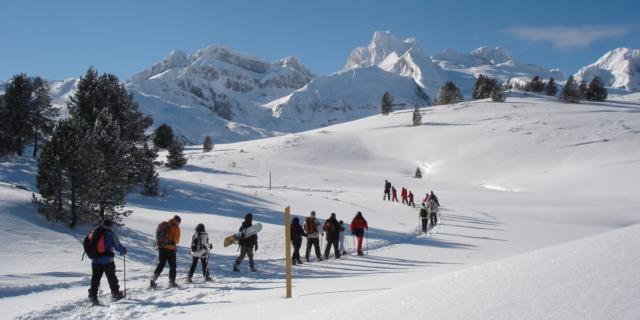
column 124, row 269
column 366, row 235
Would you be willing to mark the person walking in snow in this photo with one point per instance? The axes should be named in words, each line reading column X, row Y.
column 358, row 226
column 332, row 231
column 424, row 217
column 432, row 196
column 411, row 203
column 387, row 190
column 394, row 194
column 432, row 207
column 200, row 247
column 343, row 251
column 169, row 237
column 296, row 239
column 312, row 229
column 403, row 195
column 247, row 244
column 103, row 262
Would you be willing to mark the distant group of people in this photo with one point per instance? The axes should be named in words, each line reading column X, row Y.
column 391, row 194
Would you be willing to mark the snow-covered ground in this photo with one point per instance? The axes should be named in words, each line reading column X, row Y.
column 540, row 205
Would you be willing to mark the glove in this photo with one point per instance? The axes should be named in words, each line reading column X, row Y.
column 210, row 246
column 255, row 248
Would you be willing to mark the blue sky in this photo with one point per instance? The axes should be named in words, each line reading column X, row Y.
column 60, row 39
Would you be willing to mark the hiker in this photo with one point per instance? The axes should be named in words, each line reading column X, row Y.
column 200, row 247
column 103, row 262
column 332, row 230
column 358, row 226
column 411, row 203
column 247, row 244
column 395, row 194
column 424, row 217
column 343, row 251
column 312, row 229
column 431, row 196
column 387, row 190
column 296, row 239
column 403, row 195
column 168, row 236
column 432, row 207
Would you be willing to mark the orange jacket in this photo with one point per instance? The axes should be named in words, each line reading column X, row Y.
column 174, row 235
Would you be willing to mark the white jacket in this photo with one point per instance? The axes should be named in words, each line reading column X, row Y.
column 205, row 245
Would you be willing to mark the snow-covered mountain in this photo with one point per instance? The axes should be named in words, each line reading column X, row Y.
column 618, row 68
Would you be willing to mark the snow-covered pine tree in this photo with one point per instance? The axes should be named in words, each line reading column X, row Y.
column 417, row 116
column 582, row 90
column 569, row 93
column 15, row 117
column 51, row 179
column 483, row 87
column 536, row 84
column 449, row 93
column 42, row 113
column 163, row 136
column 550, row 88
column 497, row 95
column 596, row 90
column 207, row 145
column 418, row 173
column 386, row 104
column 176, row 158
column 150, row 181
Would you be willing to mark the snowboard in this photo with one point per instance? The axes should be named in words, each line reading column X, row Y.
column 234, row 238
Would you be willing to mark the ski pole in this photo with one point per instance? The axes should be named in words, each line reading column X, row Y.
column 124, row 269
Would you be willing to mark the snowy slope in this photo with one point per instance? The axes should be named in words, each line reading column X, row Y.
column 514, row 178
column 618, row 68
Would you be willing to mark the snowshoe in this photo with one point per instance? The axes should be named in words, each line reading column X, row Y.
column 117, row 296
column 189, row 280
column 236, row 269
column 208, row 279
column 173, row 284
column 252, row 269
column 153, row 284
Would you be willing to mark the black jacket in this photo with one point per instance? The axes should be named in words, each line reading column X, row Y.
column 332, row 228
column 248, row 241
column 296, row 231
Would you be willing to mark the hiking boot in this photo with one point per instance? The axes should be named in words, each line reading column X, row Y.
column 115, row 296
column 235, row 268
column 152, row 284
column 94, row 301
column 208, row 279
column 189, row 280
column 173, row 284
column 294, row 262
column 252, row 269
column 300, row 261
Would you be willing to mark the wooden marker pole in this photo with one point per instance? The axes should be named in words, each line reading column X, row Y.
column 287, row 250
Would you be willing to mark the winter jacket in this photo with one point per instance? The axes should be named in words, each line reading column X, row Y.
column 312, row 227
column 332, row 228
column 108, row 242
column 247, row 241
column 403, row 193
column 174, row 235
column 387, row 187
column 296, row 231
column 423, row 212
column 358, row 224
column 204, row 240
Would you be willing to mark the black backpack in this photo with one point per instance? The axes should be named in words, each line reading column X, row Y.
column 196, row 242
column 423, row 213
column 90, row 243
column 162, row 234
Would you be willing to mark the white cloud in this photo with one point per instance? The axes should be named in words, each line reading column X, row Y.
column 565, row 37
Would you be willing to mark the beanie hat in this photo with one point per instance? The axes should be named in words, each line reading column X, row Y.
column 177, row 218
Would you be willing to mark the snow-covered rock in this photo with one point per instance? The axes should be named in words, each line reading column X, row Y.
column 618, row 68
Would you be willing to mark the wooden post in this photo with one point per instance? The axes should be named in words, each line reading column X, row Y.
column 287, row 250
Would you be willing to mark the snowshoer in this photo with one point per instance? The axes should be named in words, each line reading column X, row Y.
column 358, row 225
column 394, row 194
column 296, row 239
column 167, row 236
column 433, row 211
column 387, row 190
column 403, row 195
column 332, row 230
column 312, row 229
column 342, row 238
column 411, row 203
column 247, row 244
column 105, row 241
column 200, row 247
column 432, row 196
column 424, row 217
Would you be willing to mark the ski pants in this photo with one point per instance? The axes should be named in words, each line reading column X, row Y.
column 433, row 215
column 96, row 275
column 424, row 224
column 387, row 195
column 327, row 250
column 194, row 264
column 395, row 197
column 315, row 242
column 245, row 251
column 360, row 244
column 296, row 250
column 164, row 256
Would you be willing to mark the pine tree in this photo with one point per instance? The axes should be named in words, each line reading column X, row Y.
column 570, row 93
column 536, row 84
column 418, row 173
column 582, row 90
column 16, row 116
column 550, row 88
column 483, row 87
column 417, row 116
column 497, row 95
column 596, row 90
column 42, row 113
column 150, row 181
column 207, row 145
column 449, row 93
column 5, row 138
column 163, row 136
column 51, row 179
column 386, row 103
column 176, row 158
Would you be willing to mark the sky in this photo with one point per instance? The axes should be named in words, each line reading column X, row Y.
column 61, row 39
